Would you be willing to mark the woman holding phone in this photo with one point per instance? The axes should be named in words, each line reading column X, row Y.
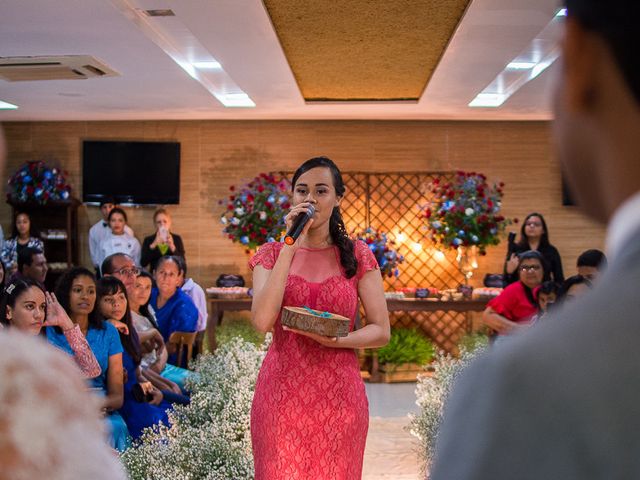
column 161, row 243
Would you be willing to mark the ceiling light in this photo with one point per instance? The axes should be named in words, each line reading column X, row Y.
column 207, row 65
column 235, row 100
column 532, row 61
column 7, row 106
column 177, row 41
column 488, row 100
column 521, row 65
column 562, row 12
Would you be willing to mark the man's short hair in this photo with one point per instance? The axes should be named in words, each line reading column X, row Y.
column 106, row 200
column 107, row 264
column 592, row 258
column 616, row 22
column 25, row 256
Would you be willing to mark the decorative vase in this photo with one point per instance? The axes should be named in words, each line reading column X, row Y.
column 467, row 261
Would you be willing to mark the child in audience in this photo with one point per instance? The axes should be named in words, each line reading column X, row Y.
column 113, row 305
column 547, row 296
column 118, row 240
column 24, row 235
column 574, row 287
column 28, row 308
column 76, row 292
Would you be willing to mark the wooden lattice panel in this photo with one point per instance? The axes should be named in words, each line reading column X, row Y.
column 393, row 203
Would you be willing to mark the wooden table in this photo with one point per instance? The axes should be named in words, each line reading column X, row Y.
column 217, row 307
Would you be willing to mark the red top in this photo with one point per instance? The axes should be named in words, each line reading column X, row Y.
column 513, row 303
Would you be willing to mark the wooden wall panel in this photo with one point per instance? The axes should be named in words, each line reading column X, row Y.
column 216, row 154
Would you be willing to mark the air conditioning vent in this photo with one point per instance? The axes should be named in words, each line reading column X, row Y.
column 68, row 67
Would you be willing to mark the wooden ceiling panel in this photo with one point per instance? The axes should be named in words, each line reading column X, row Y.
column 364, row 50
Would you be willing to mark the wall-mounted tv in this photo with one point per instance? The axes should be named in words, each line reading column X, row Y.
column 144, row 173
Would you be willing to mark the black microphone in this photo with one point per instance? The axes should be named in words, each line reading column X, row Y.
column 298, row 225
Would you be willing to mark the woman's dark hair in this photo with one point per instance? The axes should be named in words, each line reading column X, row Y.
column 33, row 231
column 144, row 309
column 110, row 285
column 63, row 294
column 570, row 282
column 549, row 287
column 11, row 293
column 337, row 229
column 170, row 258
column 117, row 210
column 529, row 255
column 544, row 239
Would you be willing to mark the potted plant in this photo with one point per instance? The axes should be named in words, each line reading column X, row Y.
column 403, row 358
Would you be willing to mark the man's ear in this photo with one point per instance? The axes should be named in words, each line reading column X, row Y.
column 581, row 57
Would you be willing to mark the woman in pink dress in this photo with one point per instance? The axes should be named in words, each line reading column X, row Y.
column 310, row 413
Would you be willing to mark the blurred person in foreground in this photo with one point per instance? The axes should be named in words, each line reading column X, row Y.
column 563, row 399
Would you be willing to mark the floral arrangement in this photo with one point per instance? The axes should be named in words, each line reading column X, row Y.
column 432, row 393
column 39, row 183
column 209, row 438
column 383, row 249
column 465, row 212
column 255, row 212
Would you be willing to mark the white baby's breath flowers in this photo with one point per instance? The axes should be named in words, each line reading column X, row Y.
column 208, row 439
column 431, row 396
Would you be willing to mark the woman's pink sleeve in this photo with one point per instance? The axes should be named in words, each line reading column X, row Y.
column 82, row 353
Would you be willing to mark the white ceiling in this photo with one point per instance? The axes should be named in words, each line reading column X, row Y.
column 239, row 34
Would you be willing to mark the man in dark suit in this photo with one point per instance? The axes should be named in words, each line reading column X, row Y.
column 562, row 401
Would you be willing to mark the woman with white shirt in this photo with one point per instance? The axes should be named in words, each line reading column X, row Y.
column 118, row 240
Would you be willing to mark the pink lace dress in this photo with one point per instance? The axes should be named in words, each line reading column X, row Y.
column 310, row 413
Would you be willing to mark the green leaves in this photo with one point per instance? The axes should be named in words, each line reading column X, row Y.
column 406, row 345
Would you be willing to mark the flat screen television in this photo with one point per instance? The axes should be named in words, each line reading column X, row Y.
column 144, row 173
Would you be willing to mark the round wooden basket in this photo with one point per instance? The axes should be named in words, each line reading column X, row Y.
column 322, row 323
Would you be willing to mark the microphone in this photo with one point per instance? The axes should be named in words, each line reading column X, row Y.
column 511, row 243
column 298, row 225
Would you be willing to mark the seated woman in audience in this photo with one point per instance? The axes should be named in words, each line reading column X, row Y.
column 514, row 308
column 138, row 415
column 154, row 362
column 534, row 235
column 175, row 311
column 76, row 292
column 24, row 235
column 162, row 242
column 574, row 287
column 28, row 308
column 3, row 279
column 118, row 240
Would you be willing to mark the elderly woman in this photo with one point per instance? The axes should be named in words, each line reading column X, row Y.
column 163, row 242
column 23, row 236
column 513, row 309
column 175, row 311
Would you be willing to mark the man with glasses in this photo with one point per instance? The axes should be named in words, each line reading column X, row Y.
column 121, row 266
column 562, row 401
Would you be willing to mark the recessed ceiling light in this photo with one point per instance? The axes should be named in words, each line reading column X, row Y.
column 562, row 12
column 488, row 100
column 207, row 65
column 7, row 106
column 531, row 62
column 235, row 100
column 521, row 65
column 179, row 43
